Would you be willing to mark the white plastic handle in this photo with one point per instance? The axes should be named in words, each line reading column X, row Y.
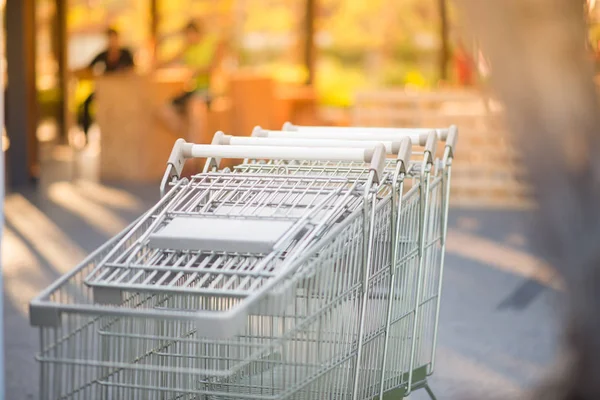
column 452, row 140
column 369, row 134
column 289, row 127
column 287, row 153
column 182, row 150
column 404, row 154
column 390, row 147
column 417, row 135
column 375, row 156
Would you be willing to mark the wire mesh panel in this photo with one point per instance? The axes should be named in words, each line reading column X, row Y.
column 146, row 348
column 420, row 264
column 351, row 170
column 431, row 273
column 181, row 250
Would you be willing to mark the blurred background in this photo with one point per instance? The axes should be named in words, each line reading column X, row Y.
column 329, row 62
column 406, row 63
column 320, row 62
column 325, row 62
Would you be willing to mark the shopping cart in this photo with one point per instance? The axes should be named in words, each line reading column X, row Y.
column 431, row 267
column 435, row 233
column 144, row 318
column 138, row 320
column 440, row 186
column 367, row 379
column 434, row 214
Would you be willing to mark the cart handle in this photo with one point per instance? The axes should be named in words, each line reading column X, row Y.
column 358, row 134
column 451, row 140
column 417, row 135
column 404, row 154
column 392, row 141
column 222, row 139
column 402, row 148
column 429, row 141
column 325, row 131
column 182, row 151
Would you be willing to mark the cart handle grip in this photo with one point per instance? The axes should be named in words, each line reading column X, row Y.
column 430, row 143
column 351, row 132
column 404, row 154
column 182, row 150
column 417, row 135
column 220, row 138
column 451, row 140
column 427, row 139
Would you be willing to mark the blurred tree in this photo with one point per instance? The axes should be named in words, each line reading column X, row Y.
column 444, row 50
column 388, row 41
column 392, row 43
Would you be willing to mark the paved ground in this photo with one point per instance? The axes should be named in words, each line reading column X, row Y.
column 497, row 327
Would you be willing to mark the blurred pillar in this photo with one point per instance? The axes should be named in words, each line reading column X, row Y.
column 443, row 10
column 2, row 186
column 61, row 51
column 309, row 39
column 154, row 18
column 21, row 99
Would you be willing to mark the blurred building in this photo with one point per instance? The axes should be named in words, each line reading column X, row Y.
column 45, row 39
column 338, row 46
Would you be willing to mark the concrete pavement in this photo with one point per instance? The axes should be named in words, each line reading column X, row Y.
column 497, row 329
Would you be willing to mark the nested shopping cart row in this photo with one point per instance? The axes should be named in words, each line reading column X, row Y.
column 431, row 279
column 295, row 277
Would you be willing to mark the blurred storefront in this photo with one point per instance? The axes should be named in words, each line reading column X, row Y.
column 49, row 38
column 295, row 41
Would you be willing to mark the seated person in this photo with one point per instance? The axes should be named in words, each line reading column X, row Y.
column 114, row 59
column 186, row 113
